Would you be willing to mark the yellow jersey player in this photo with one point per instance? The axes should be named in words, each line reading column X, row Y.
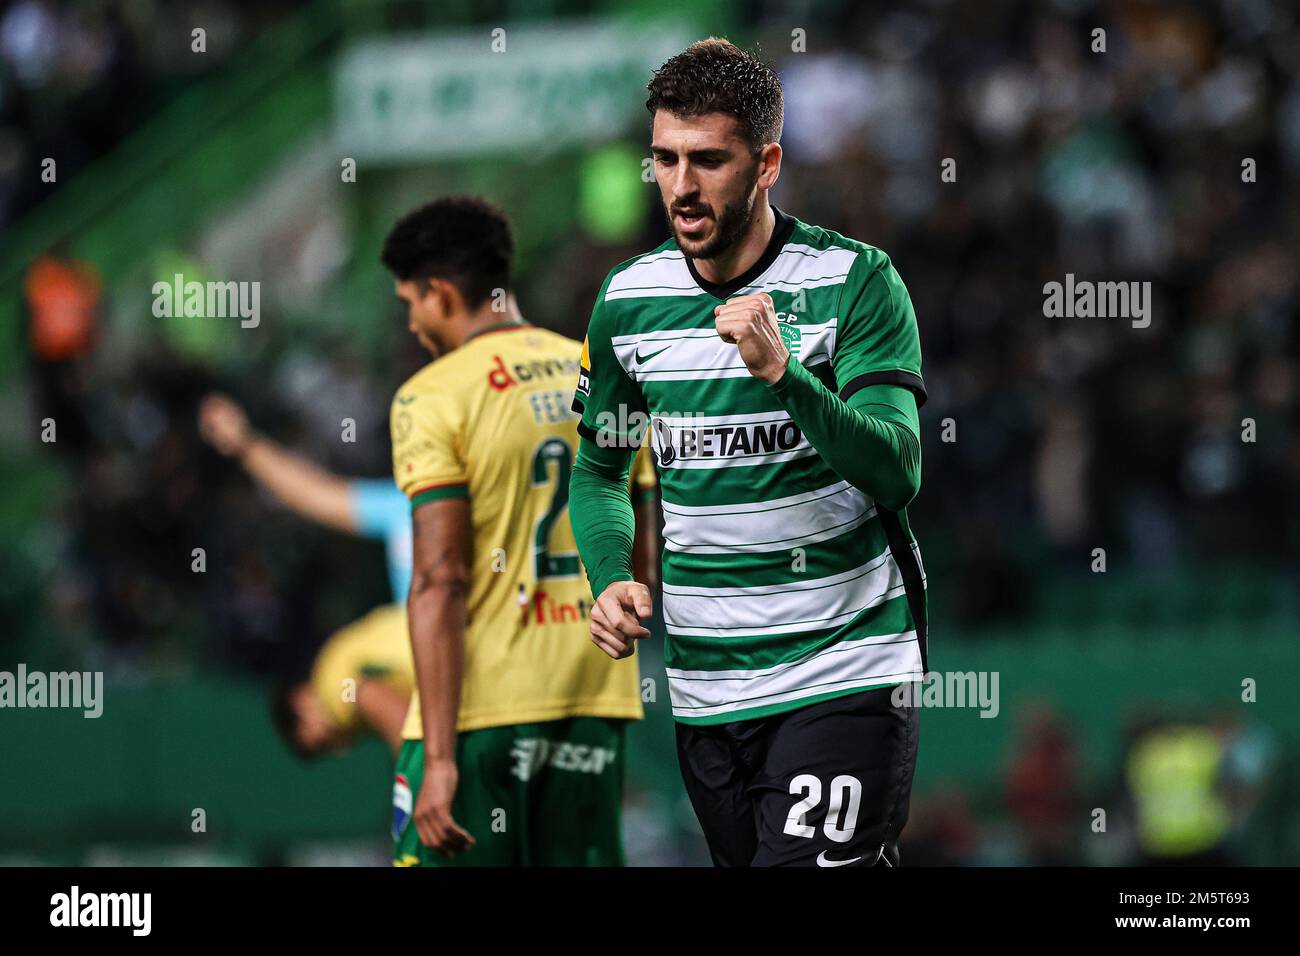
column 514, row 742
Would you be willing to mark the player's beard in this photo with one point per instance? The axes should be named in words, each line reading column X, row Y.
column 731, row 226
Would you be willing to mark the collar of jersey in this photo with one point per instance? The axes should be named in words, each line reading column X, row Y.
column 499, row 327
column 781, row 230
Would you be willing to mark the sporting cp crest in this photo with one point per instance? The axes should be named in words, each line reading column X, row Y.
column 790, row 334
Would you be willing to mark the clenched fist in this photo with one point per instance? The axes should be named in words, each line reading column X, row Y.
column 616, row 618
column 749, row 322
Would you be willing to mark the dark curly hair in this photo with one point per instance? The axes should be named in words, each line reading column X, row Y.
column 463, row 239
column 716, row 76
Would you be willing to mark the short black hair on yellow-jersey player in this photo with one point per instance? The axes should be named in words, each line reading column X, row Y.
column 716, row 76
column 464, row 240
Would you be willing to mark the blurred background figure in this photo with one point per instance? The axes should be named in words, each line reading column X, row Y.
column 1174, row 775
column 363, row 675
column 1043, row 791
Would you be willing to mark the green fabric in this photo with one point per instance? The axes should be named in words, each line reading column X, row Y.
column 871, row 441
column 749, row 497
column 439, row 494
column 540, row 794
column 600, row 510
column 877, row 325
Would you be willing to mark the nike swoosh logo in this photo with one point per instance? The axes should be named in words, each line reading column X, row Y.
column 822, row 861
column 642, row 359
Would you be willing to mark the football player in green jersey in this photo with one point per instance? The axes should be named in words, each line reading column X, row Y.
column 779, row 366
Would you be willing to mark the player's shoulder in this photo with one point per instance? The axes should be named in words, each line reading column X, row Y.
column 662, row 269
column 435, row 380
column 865, row 258
column 421, row 383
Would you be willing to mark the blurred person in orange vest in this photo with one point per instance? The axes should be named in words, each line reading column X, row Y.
column 64, row 298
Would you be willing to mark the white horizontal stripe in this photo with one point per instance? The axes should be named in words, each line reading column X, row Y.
column 773, row 544
column 892, row 657
column 693, row 354
column 785, row 523
column 656, row 292
column 790, row 609
column 800, row 266
column 662, row 335
column 772, row 504
column 797, row 266
column 786, row 587
column 656, row 275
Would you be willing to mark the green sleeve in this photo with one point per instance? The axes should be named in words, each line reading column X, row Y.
column 868, row 432
column 877, row 341
column 611, row 428
column 608, row 399
column 600, row 509
column 872, row 440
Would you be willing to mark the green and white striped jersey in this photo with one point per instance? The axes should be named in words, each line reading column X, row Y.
column 782, row 583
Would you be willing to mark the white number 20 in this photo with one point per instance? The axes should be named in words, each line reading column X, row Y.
column 811, row 789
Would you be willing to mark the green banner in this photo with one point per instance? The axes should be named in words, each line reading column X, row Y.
column 507, row 88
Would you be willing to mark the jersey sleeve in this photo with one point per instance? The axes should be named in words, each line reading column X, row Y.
column 611, row 405
column 428, row 463
column 378, row 507
column 877, row 341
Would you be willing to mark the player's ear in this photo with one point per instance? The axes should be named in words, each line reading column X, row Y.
column 769, row 165
column 436, row 297
column 450, row 301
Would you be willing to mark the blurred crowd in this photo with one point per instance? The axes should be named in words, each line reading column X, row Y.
column 76, row 77
column 1172, row 156
column 1185, row 789
column 1120, row 165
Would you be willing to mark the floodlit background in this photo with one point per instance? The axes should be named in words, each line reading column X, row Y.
column 1119, row 691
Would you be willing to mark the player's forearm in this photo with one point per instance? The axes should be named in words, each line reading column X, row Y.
column 871, row 441
column 436, row 610
column 309, row 490
column 645, row 543
column 600, row 509
column 383, row 708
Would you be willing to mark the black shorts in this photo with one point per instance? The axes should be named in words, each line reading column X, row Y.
column 825, row 785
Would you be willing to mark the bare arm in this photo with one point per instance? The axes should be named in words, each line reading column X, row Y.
column 383, row 708
column 436, row 610
column 645, row 543
column 304, row 487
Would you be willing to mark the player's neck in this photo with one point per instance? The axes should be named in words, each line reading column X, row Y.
column 487, row 319
column 736, row 260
